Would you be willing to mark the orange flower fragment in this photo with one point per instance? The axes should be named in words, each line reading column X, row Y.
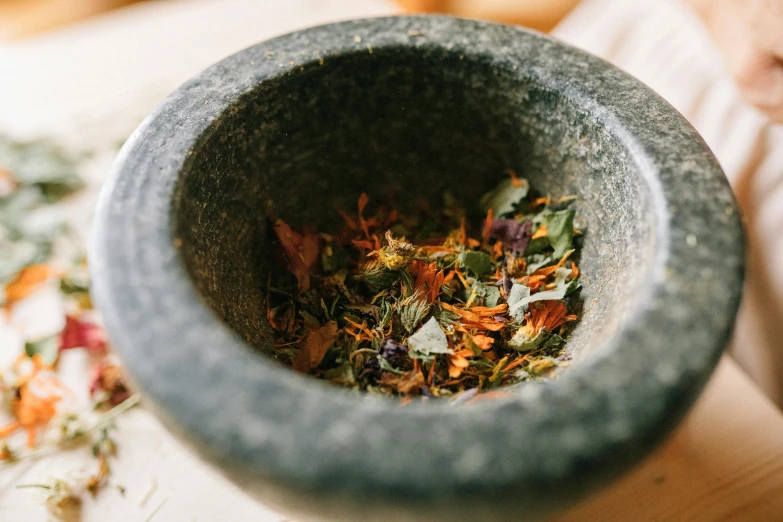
column 8, row 182
column 538, row 278
column 477, row 312
column 487, row 229
column 497, row 251
column 515, row 179
column 428, row 279
column 301, row 251
column 479, row 317
column 458, row 361
column 548, row 314
column 409, row 383
column 38, row 393
column 361, row 204
column 314, row 347
column 360, row 332
column 363, row 243
column 462, row 237
column 534, row 282
column 540, row 232
column 484, row 342
column 27, row 281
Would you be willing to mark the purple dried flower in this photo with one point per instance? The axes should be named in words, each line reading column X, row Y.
column 512, row 233
column 372, row 368
column 391, row 349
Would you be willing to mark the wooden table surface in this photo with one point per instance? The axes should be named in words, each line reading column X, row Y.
column 92, row 83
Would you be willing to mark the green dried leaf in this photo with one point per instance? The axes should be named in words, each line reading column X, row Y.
column 518, row 293
column 555, row 294
column 553, row 342
column 407, row 279
column 342, row 374
column 560, row 231
column 536, row 261
column 536, row 246
column 413, row 310
column 385, row 314
column 539, row 366
column 377, row 277
column 521, row 342
column 446, row 291
column 477, row 262
column 47, row 348
column 444, row 317
column 506, row 197
column 428, row 340
column 558, row 293
column 489, row 295
column 41, row 163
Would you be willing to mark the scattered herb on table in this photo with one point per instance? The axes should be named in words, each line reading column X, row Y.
column 35, row 177
column 428, row 304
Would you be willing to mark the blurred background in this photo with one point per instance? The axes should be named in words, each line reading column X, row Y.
column 84, row 73
column 22, row 18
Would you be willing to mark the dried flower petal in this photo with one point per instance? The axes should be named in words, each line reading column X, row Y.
column 110, row 378
column 512, row 233
column 409, row 383
column 314, row 347
column 301, row 251
column 26, row 282
column 82, row 334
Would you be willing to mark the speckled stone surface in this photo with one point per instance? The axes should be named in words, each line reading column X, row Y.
column 307, row 121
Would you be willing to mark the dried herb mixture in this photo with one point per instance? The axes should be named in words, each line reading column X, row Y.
column 429, row 304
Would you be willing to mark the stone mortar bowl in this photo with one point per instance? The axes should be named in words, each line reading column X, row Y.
column 305, row 122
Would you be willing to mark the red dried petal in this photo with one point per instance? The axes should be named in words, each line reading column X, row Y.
column 82, row 334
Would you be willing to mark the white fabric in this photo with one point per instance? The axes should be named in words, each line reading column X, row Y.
column 663, row 44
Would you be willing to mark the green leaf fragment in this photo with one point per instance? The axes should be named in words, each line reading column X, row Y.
column 379, row 278
column 556, row 294
column 506, row 197
column 536, row 246
column 413, row 310
column 477, row 262
column 342, row 374
column 518, row 293
column 47, row 348
column 518, row 302
column 444, row 317
column 536, row 261
column 553, row 341
column 560, row 231
column 408, row 281
column 486, row 295
column 428, row 340
column 385, row 314
column 522, row 342
column 387, row 367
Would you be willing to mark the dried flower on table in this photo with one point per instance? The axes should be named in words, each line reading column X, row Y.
column 34, row 178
